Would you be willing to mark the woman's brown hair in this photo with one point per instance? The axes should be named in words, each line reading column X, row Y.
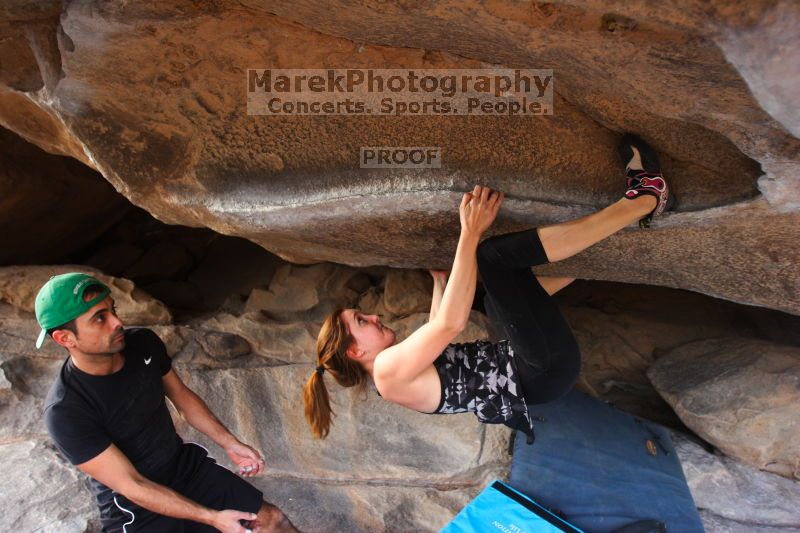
column 332, row 343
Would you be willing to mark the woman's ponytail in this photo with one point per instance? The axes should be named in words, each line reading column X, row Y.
column 332, row 343
column 318, row 405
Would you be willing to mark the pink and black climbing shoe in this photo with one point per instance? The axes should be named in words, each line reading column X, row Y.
column 645, row 178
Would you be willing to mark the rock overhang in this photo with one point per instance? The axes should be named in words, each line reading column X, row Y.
column 153, row 97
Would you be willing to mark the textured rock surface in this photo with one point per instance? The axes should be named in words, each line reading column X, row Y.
column 623, row 329
column 742, row 396
column 407, row 291
column 19, row 286
column 308, row 292
column 67, row 505
column 383, row 468
column 151, row 95
column 736, row 498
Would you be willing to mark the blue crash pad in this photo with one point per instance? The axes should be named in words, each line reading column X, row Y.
column 595, row 464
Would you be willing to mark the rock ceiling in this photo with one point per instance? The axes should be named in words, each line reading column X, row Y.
column 152, row 95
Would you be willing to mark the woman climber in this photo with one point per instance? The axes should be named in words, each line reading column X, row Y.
column 538, row 361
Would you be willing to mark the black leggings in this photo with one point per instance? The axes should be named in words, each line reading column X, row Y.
column 545, row 350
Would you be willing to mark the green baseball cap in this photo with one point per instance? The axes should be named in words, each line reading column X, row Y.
column 61, row 300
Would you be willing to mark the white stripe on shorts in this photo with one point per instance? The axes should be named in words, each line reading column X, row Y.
column 126, row 524
column 210, row 457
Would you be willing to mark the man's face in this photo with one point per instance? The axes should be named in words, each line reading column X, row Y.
column 100, row 331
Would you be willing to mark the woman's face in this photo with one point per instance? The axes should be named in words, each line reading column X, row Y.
column 371, row 336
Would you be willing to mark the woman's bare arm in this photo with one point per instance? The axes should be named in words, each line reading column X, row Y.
column 400, row 364
column 439, row 284
column 403, row 362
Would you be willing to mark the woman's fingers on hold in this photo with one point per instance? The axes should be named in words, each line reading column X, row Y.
column 497, row 199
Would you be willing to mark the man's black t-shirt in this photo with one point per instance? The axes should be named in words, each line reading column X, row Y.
column 84, row 414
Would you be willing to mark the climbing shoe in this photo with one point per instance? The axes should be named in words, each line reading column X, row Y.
column 644, row 176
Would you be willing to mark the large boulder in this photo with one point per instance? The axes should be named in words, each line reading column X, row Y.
column 67, row 505
column 152, row 95
column 740, row 395
column 622, row 329
column 734, row 497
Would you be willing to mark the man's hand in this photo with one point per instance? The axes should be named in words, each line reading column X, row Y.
column 228, row 521
column 114, row 470
column 248, row 460
column 200, row 417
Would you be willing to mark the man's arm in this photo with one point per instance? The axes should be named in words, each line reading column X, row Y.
column 199, row 416
column 114, row 470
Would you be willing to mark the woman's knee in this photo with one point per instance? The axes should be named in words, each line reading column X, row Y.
column 521, row 249
column 552, row 384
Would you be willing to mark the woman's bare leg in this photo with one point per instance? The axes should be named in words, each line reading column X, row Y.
column 553, row 284
column 564, row 240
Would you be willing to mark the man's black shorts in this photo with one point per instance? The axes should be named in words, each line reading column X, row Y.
column 200, row 479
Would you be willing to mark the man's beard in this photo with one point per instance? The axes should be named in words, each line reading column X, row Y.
column 111, row 349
